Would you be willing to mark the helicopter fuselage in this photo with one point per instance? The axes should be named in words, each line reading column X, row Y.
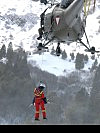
column 65, row 24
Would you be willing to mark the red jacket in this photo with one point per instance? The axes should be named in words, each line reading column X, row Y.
column 39, row 95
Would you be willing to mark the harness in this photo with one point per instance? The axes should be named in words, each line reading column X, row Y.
column 38, row 93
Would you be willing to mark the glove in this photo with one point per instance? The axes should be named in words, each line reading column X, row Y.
column 45, row 100
column 33, row 101
column 48, row 101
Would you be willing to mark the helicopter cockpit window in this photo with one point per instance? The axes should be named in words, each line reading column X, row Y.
column 66, row 3
column 44, row 1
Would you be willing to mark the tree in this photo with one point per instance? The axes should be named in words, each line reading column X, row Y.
column 20, row 65
column 86, row 58
column 64, row 55
column 10, row 52
column 72, row 56
column 53, row 51
column 82, row 96
column 3, row 52
column 79, row 62
column 94, row 65
column 93, row 57
column 94, row 106
column 10, row 55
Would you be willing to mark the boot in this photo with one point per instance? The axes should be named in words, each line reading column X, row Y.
column 45, row 118
column 40, row 37
column 37, row 119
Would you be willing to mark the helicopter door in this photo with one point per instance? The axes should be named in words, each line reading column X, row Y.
column 48, row 25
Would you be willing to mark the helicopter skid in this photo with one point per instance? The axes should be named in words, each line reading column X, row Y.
column 40, row 47
column 92, row 50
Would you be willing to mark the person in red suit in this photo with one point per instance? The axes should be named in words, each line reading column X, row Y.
column 39, row 101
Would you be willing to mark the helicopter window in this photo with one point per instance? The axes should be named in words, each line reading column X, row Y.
column 44, row 1
column 66, row 3
column 52, row 19
column 57, row 5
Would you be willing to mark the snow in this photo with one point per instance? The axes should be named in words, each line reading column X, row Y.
column 93, row 27
column 21, row 6
column 52, row 64
column 47, row 62
column 3, row 60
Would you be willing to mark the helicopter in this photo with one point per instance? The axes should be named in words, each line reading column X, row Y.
column 64, row 24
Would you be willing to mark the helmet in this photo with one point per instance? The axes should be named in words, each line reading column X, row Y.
column 42, row 86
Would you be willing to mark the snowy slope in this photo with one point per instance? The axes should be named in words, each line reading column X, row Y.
column 25, row 36
column 20, row 8
column 52, row 64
